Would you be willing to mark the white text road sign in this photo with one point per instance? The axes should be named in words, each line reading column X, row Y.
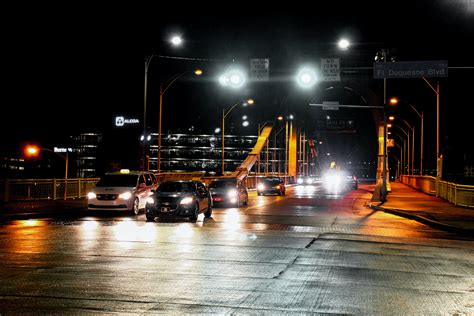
column 411, row 69
column 330, row 69
column 259, row 69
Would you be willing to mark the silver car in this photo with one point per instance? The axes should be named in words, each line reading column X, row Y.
column 125, row 190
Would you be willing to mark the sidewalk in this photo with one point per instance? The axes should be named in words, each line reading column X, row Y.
column 410, row 203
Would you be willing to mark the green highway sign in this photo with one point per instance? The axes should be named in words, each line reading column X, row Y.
column 411, row 69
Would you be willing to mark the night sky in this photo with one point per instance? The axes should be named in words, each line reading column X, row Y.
column 74, row 69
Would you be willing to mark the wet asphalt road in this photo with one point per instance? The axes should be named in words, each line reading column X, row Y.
column 307, row 252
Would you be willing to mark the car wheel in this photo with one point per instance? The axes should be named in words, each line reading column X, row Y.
column 150, row 218
column 208, row 212
column 136, row 206
column 195, row 215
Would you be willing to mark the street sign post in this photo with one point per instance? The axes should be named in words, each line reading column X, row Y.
column 411, row 69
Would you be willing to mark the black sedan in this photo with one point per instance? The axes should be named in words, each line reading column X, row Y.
column 229, row 191
column 271, row 185
column 179, row 198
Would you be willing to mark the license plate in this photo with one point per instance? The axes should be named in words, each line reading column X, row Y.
column 218, row 199
column 165, row 209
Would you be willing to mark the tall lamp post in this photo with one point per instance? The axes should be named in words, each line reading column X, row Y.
column 34, row 151
column 163, row 89
column 420, row 115
column 175, row 41
column 402, row 150
column 382, row 56
column 412, row 128
column 407, row 161
column 438, row 155
column 226, row 112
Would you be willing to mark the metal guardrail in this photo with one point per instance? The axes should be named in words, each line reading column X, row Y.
column 458, row 194
column 45, row 189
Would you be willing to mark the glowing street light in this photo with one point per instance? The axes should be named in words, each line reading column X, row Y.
column 395, row 101
column 175, row 40
column 35, row 151
column 234, row 78
column 168, row 84
column 306, row 77
column 226, row 112
column 343, row 44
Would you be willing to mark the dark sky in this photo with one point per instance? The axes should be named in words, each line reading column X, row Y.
column 73, row 69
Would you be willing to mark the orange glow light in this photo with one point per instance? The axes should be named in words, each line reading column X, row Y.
column 31, row 150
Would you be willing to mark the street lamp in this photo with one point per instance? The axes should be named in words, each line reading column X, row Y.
column 169, row 82
column 226, row 112
column 407, row 161
column 420, row 115
column 412, row 128
column 412, row 145
column 382, row 56
column 306, row 77
column 175, row 40
column 34, row 151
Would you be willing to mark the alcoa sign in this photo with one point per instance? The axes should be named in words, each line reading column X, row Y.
column 121, row 121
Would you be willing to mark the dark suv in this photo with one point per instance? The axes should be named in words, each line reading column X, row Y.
column 179, row 198
column 271, row 185
column 229, row 191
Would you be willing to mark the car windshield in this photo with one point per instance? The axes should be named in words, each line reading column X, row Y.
column 118, row 180
column 223, row 183
column 175, row 187
column 271, row 181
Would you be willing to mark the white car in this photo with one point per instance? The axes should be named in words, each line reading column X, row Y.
column 125, row 190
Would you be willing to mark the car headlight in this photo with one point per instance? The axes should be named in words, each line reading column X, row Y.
column 278, row 187
column 232, row 193
column 125, row 195
column 186, row 200
column 91, row 195
column 261, row 186
column 309, row 181
column 300, row 181
column 333, row 180
column 150, row 200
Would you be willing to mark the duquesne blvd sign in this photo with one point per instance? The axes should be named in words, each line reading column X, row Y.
column 411, row 69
